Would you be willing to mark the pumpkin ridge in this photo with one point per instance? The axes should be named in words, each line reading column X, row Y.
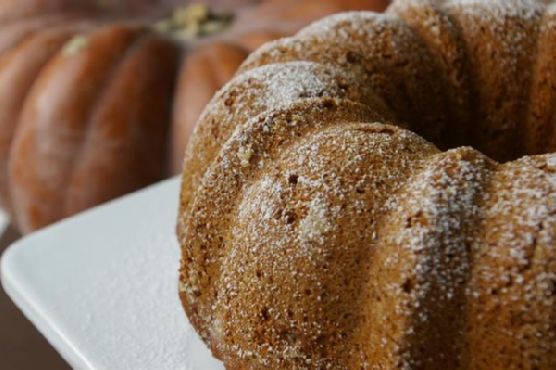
column 105, row 86
column 126, row 147
column 54, row 38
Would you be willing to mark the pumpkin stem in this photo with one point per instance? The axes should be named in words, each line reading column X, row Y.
column 75, row 45
column 194, row 21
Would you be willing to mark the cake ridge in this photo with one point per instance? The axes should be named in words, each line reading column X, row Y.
column 507, row 31
column 310, row 249
column 442, row 40
column 507, row 270
column 541, row 113
column 228, row 167
column 440, row 221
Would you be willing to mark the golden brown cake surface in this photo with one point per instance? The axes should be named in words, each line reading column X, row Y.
column 322, row 228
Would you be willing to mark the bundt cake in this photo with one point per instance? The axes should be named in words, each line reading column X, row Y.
column 337, row 210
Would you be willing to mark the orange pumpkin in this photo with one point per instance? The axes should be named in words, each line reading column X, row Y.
column 86, row 103
column 93, row 125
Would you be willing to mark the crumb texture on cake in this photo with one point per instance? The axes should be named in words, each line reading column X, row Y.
column 379, row 192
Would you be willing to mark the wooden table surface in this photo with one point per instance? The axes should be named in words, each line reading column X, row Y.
column 22, row 347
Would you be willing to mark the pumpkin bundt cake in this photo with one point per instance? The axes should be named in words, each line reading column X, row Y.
column 337, row 210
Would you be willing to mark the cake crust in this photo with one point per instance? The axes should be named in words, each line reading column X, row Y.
column 379, row 192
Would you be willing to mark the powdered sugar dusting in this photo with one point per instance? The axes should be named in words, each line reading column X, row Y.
column 318, row 221
column 497, row 9
column 510, row 291
column 316, row 239
column 428, row 234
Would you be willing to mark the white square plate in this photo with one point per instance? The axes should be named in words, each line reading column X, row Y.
column 102, row 286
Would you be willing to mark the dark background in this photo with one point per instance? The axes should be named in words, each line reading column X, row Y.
column 21, row 346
